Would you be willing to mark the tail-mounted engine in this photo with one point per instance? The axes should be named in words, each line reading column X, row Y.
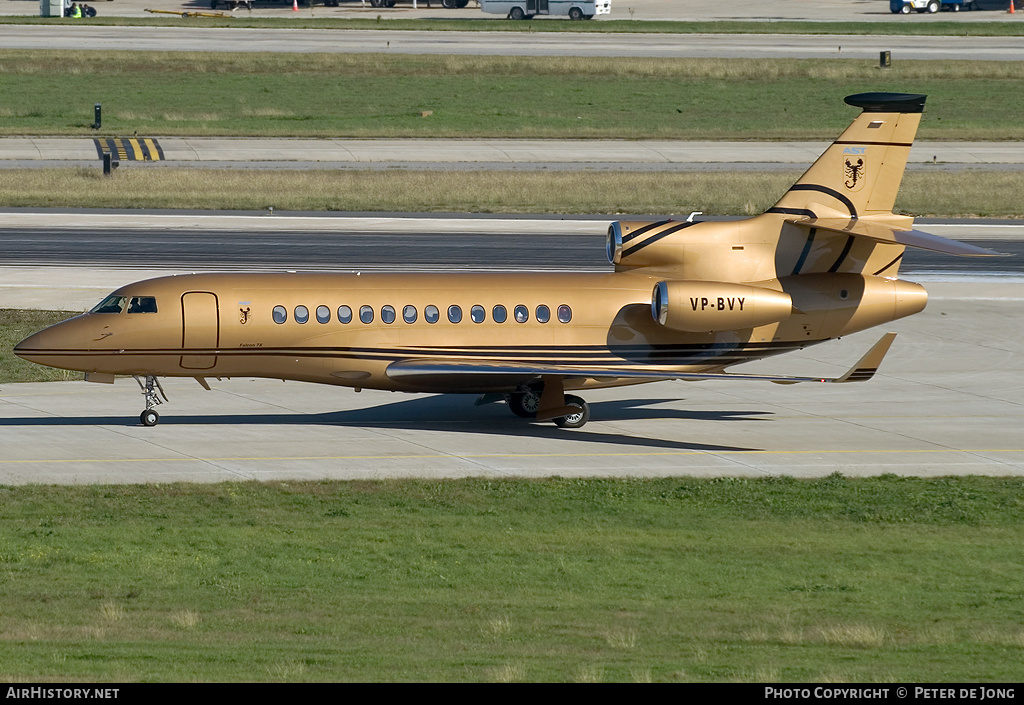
column 644, row 243
column 705, row 307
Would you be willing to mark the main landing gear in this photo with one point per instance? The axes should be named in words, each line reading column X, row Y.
column 150, row 387
column 549, row 402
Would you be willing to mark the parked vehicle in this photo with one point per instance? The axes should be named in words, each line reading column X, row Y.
column 527, row 9
column 905, row 7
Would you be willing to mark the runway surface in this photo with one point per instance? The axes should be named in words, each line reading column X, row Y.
column 337, row 153
column 748, row 46
column 322, row 242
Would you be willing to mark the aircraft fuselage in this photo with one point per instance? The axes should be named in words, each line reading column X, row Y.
column 346, row 329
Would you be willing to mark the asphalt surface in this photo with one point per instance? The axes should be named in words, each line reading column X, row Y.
column 970, row 48
column 643, row 155
column 341, row 244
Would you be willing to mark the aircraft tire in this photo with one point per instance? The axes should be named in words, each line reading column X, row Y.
column 524, row 404
column 149, row 417
column 575, row 420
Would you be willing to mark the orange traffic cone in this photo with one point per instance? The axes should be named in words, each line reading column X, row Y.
column 295, row 5
column 1011, row 10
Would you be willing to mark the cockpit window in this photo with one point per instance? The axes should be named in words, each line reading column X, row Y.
column 142, row 304
column 111, row 304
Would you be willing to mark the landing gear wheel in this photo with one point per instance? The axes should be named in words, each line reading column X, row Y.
column 525, row 404
column 154, row 396
column 574, row 420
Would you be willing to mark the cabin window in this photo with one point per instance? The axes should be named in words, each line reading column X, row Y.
column 387, row 314
column 301, row 314
column 431, row 314
column 454, row 313
column 142, row 304
column 323, row 314
column 564, row 313
column 522, row 314
column 344, row 314
column 543, row 314
column 499, row 314
column 477, row 313
column 280, row 314
column 366, row 314
column 409, row 314
column 111, row 304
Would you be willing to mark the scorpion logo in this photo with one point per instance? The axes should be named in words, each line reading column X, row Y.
column 853, row 175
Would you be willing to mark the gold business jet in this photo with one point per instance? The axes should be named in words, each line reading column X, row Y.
column 686, row 301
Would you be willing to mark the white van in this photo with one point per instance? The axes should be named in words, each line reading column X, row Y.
column 525, row 9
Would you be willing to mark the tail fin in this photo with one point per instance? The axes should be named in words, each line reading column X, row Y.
column 860, row 173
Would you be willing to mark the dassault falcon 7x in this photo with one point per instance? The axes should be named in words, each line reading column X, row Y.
column 686, row 301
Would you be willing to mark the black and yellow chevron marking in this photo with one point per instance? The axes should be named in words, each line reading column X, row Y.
column 136, row 149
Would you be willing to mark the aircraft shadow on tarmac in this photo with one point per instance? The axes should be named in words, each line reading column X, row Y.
column 450, row 413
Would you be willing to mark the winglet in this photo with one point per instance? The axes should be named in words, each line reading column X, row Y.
column 861, row 372
column 867, row 366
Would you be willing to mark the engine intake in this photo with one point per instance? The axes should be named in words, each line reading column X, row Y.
column 705, row 307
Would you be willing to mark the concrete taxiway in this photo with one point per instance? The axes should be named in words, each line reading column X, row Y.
column 947, row 401
column 258, row 153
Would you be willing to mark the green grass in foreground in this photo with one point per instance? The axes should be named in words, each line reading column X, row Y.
column 939, row 193
column 485, row 23
column 870, row 580
column 15, row 326
column 328, row 95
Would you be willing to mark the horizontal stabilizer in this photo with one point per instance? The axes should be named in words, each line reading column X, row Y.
column 883, row 233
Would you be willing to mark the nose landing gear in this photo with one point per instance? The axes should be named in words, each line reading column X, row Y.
column 150, row 387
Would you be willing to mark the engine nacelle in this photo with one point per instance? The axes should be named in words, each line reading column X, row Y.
column 705, row 307
column 646, row 243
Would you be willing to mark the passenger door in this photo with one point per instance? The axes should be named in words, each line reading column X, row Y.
column 200, row 330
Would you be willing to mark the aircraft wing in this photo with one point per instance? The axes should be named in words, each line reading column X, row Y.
column 464, row 373
column 883, row 233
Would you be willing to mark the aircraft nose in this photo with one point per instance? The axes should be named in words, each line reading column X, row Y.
column 50, row 346
column 31, row 347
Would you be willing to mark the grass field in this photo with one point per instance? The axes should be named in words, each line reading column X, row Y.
column 196, row 94
column 382, row 21
column 874, row 580
column 973, row 193
column 15, row 326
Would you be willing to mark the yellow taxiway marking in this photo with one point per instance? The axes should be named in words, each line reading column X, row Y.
column 435, row 456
